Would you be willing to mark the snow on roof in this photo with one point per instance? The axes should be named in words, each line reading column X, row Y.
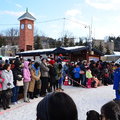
column 72, row 48
column 51, row 49
column 116, row 53
column 39, row 50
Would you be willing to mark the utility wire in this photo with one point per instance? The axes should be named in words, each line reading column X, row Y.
column 85, row 25
column 52, row 20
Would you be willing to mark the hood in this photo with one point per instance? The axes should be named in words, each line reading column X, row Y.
column 26, row 63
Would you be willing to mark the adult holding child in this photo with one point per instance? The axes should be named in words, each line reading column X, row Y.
column 34, row 86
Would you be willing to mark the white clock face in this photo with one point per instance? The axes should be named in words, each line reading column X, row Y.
column 29, row 26
column 22, row 26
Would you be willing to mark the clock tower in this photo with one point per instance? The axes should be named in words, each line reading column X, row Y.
column 26, row 40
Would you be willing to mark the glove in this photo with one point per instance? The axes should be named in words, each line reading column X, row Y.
column 8, row 84
column 20, row 76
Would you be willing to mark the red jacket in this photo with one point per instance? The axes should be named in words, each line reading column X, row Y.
column 1, row 80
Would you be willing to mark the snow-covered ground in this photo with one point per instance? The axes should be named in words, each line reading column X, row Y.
column 85, row 99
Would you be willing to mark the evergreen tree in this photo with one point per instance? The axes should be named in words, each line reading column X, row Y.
column 80, row 41
column 100, row 47
column 65, row 41
column 58, row 43
column 86, row 42
column 76, row 43
column 71, row 43
column 52, row 43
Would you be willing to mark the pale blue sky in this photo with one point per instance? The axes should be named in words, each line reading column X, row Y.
column 104, row 15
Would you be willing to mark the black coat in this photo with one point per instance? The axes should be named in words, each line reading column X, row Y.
column 17, row 71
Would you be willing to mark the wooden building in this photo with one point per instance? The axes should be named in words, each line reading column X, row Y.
column 76, row 53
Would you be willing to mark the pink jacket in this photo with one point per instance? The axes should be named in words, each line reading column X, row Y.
column 1, row 80
column 26, row 72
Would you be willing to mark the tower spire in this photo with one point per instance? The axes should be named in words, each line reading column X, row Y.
column 26, row 9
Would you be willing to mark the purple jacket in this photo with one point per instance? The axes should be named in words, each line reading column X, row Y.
column 26, row 72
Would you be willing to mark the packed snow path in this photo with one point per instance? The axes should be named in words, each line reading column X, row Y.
column 85, row 99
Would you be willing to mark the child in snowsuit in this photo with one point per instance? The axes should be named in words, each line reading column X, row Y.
column 89, row 77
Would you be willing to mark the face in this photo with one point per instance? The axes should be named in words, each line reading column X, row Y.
column 9, row 67
column 102, row 117
column 44, row 60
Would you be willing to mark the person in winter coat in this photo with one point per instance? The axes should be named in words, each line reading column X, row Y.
column 52, row 73
column 60, row 80
column 17, row 76
column 83, row 67
column 116, row 84
column 44, row 76
column 76, row 72
column 7, row 75
column 34, row 86
column 89, row 77
column 26, row 79
column 1, row 81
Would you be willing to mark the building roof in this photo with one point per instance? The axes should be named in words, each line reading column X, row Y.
column 115, row 53
column 26, row 15
column 36, row 52
column 58, row 50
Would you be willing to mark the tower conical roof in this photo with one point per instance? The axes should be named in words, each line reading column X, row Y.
column 27, row 15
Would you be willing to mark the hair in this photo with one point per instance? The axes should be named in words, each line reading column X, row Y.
column 92, row 115
column 111, row 110
column 57, row 106
column 59, row 66
column 87, row 68
column 29, row 60
column 117, row 65
column 5, row 67
column 36, row 65
column 44, row 58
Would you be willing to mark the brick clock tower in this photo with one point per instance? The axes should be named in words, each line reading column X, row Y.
column 26, row 40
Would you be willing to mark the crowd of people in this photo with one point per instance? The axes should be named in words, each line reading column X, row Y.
column 36, row 78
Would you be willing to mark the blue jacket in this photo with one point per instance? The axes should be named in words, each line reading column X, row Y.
column 76, row 72
column 116, row 83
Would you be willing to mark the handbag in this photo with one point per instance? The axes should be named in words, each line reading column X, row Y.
column 19, row 82
column 8, row 93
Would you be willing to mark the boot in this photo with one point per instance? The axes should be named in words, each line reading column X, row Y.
column 31, row 95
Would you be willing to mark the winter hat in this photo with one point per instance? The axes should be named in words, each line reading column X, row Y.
column 52, row 62
column 60, row 55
